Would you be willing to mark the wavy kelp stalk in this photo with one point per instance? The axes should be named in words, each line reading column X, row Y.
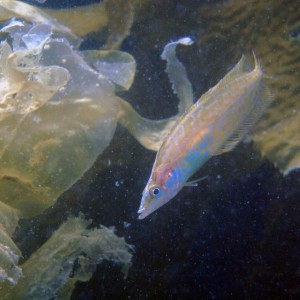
column 270, row 28
column 71, row 254
column 149, row 133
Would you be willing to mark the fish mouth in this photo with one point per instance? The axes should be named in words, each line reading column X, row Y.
column 146, row 209
column 149, row 205
column 142, row 212
column 141, row 215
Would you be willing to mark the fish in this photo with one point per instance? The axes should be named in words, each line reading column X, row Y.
column 215, row 124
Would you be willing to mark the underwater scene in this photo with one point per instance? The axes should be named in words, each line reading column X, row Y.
column 149, row 149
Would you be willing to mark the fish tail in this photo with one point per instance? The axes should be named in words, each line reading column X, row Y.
column 257, row 64
column 266, row 95
column 259, row 68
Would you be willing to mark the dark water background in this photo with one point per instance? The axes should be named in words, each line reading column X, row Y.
column 236, row 236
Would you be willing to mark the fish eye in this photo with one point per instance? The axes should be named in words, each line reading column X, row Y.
column 155, row 191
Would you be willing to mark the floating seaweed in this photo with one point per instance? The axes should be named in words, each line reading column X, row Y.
column 33, row 172
column 73, row 252
column 59, row 111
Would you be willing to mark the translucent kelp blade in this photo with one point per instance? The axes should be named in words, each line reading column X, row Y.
column 177, row 75
column 74, row 253
column 117, row 66
column 37, row 36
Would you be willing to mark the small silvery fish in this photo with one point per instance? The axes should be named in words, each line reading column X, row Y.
column 213, row 125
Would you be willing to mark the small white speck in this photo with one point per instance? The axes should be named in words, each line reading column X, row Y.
column 36, row 119
column 126, row 224
column 119, row 182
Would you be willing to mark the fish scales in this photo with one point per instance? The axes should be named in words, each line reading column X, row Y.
column 213, row 125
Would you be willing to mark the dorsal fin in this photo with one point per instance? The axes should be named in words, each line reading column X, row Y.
column 262, row 98
column 239, row 69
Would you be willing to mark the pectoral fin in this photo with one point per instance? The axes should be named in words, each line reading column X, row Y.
column 195, row 182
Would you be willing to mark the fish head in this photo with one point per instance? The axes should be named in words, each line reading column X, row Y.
column 160, row 189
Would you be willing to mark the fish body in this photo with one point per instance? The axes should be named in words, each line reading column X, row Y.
column 213, row 125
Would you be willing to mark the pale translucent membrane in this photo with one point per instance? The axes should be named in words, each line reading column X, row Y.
column 37, row 36
column 118, row 66
column 12, row 8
